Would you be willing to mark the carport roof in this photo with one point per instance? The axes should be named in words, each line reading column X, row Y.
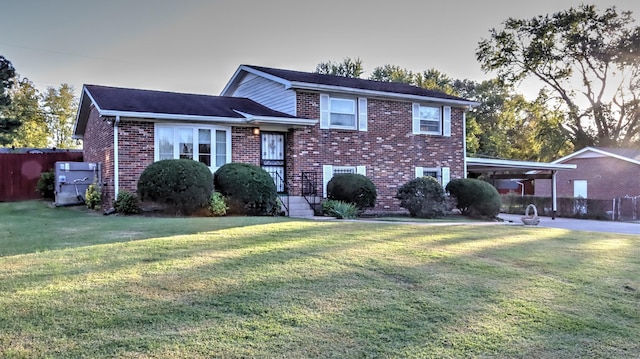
column 484, row 165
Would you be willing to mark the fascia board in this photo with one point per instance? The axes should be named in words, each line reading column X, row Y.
column 354, row 91
column 169, row 116
column 244, row 68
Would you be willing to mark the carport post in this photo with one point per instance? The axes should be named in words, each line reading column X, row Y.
column 554, row 204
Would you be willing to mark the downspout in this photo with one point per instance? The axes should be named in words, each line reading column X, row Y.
column 464, row 144
column 116, row 174
column 554, row 204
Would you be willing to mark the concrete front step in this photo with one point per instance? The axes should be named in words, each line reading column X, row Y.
column 298, row 206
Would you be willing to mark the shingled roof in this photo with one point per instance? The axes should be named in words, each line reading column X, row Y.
column 160, row 102
column 127, row 102
column 299, row 79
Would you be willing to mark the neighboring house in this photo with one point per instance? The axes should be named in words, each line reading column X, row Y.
column 301, row 127
column 601, row 173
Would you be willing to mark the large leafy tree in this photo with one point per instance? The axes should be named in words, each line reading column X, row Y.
column 26, row 106
column 587, row 59
column 60, row 106
column 8, row 124
column 347, row 68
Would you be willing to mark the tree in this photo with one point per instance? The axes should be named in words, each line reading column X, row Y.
column 392, row 73
column 8, row 125
column 588, row 59
column 347, row 68
column 61, row 106
column 26, row 107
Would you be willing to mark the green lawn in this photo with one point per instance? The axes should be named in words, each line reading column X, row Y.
column 75, row 284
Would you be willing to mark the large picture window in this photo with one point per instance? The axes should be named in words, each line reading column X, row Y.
column 210, row 145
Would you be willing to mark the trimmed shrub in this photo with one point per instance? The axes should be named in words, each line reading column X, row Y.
column 474, row 197
column 248, row 189
column 46, row 185
column 126, row 203
column 183, row 185
column 217, row 206
column 93, row 196
column 423, row 197
column 352, row 188
column 339, row 209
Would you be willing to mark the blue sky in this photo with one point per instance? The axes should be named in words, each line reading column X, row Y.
column 196, row 45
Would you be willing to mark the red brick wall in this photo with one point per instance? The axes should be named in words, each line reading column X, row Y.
column 388, row 149
column 245, row 146
column 606, row 177
column 97, row 146
column 135, row 151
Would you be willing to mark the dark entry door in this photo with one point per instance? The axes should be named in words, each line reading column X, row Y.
column 272, row 157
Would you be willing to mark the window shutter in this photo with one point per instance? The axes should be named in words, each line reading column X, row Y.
column 362, row 114
column 361, row 170
column 416, row 118
column 324, row 111
column 419, row 172
column 446, row 176
column 327, row 174
column 446, row 114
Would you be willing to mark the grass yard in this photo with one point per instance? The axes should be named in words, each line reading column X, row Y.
column 76, row 284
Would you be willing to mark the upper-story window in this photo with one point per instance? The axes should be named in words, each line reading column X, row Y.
column 349, row 113
column 431, row 120
column 210, row 145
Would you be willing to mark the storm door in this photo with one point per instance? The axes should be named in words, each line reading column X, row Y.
column 272, row 157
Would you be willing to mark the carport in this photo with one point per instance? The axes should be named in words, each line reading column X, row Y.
column 510, row 169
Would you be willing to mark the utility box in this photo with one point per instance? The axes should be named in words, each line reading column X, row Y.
column 72, row 180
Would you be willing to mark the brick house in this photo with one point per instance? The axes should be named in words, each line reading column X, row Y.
column 301, row 127
column 601, row 173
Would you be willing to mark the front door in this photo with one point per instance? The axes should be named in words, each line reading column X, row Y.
column 272, row 157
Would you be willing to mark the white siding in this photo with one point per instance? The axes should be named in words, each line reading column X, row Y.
column 267, row 93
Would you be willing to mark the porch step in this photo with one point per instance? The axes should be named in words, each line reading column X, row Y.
column 298, row 206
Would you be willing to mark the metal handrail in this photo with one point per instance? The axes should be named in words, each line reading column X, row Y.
column 285, row 187
column 309, row 188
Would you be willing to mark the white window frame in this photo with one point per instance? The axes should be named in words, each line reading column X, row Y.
column 444, row 120
column 359, row 112
column 175, row 127
column 443, row 174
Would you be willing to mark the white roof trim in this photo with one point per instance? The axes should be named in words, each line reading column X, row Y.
column 251, row 70
column 356, row 91
column 512, row 164
column 171, row 116
column 596, row 150
column 277, row 120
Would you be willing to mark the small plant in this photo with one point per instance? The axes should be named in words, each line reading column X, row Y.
column 218, row 206
column 340, row 209
column 93, row 196
column 127, row 203
column 46, row 185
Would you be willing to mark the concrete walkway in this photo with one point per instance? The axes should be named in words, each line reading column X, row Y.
column 578, row 224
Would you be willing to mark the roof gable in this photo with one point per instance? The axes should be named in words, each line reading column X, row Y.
column 625, row 154
column 309, row 80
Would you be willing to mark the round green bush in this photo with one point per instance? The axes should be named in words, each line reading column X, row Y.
column 352, row 188
column 474, row 197
column 126, row 203
column 248, row 189
column 183, row 185
column 423, row 197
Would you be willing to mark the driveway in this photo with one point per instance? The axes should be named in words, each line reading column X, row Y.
column 579, row 224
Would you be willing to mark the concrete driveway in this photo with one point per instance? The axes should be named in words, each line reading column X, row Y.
column 578, row 224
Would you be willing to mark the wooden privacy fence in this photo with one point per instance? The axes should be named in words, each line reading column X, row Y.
column 19, row 172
